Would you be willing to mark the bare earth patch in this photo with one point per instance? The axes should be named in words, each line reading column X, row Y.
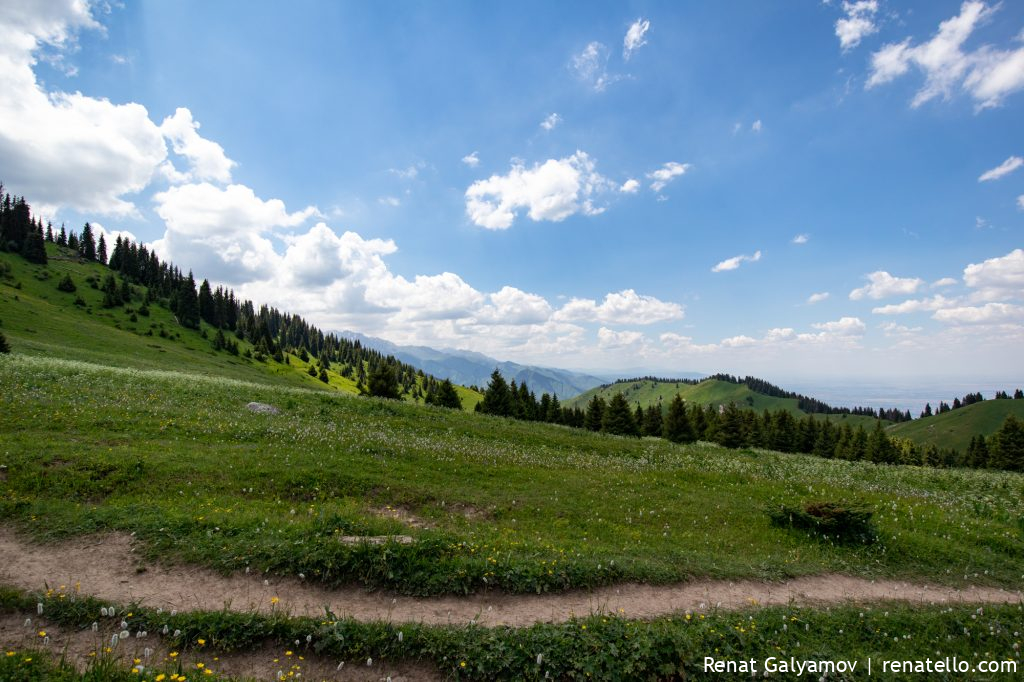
column 106, row 567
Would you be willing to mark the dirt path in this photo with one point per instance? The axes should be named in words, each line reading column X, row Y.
column 105, row 567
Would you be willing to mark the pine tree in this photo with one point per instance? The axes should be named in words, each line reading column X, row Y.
column 101, row 250
column 1007, row 447
column 653, row 422
column 859, row 444
column 447, row 396
column 62, row 238
column 676, row 426
column 729, row 433
column 383, row 383
column 618, row 418
column 497, row 397
column 207, row 312
column 595, row 414
column 87, row 243
column 187, row 307
column 34, row 247
column 880, row 448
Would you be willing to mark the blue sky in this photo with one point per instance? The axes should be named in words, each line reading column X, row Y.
column 786, row 189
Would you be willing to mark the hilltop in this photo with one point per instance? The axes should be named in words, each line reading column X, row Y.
column 955, row 428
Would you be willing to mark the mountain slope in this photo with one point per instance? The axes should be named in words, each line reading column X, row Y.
column 954, row 429
column 708, row 392
column 469, row 368
column 38, row 319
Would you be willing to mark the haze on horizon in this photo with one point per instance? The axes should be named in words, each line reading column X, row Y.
column 817, row 192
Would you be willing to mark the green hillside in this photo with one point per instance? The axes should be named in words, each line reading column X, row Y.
column 707, row 392
column 954, row 429
column 38, row 319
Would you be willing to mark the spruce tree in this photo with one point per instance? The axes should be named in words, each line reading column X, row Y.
column 729, row 433
column 4, row 346
column 879, row 448
column 447, row 396
column 1006, row 450
column 87, row 243
column 595, row 414
column 677, row 427
column 497, row 397
column 66, row 284
column 618, row 418
column 34, row 247
column 101, row 250
column 383, row 383
column 653, row 421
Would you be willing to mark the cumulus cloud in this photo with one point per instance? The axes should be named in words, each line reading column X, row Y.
column 844, row 326
column 997, row 278
column 634, row 39
column 801, row 239
column 551, row 191
column 67, row 149
column 624, row 307
column 915, row 305
column 756, row 126
column 550, row 121
column 817, row 298
column 666, row 174
column 987, row 74
column 471, row 160
column 944, row 282
column 882, row 285
column 990, row 313
column 631, row 186
column 858, row 23
column 1005, row 168
column 736, row 261
column 206, row 158
column 608, row 338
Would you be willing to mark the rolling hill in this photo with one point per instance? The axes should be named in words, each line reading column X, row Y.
column 954, row 429
column 708, row 392
column 38, row 319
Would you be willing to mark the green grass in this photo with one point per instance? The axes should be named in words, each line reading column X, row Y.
column 954, row 429
column 39, row 320
column 601, row 647
column 524, row 507
column 707, row 392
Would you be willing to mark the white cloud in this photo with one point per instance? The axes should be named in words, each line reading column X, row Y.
column 990, row 313
column 858, row 23
column 471, row 160
column 67, row 149
column 634, row 39
column 608, row 338
column 756, row 126
column 987, row 74
column 844, row 326
column 203, row 209
column 389, row 201
column 881, row 285
column 898, row 330
column 591, row 66
column 817, row 298
column 631, row 186
column 550, row 191
column 666, row 174
column 736, row 261
column 624, row 307
column 801, row 239
column 997, row 278
column 206, row 158
column 915, row 305
column 550, row 121
column 740, row 341
column 944, row 282
column 515, row 307
column 409, row 172
column 1020, row 202
column 1005, row 168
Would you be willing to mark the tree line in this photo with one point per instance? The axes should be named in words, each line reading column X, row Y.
column 969, row 399
column 735, row 427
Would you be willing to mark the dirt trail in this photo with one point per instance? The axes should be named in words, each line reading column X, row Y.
column 106, row 567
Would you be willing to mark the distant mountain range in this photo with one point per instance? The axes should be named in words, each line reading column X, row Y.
column 474, row 369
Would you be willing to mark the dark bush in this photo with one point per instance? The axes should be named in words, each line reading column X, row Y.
column 837, row 521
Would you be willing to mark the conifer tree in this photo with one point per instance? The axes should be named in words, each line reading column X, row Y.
column 595, row 414
column 677, row 427
column 880, row 448
column 101, row 250
column 729, row 433
column 1007, row 447
column 653, row 422
column 618, row 418
column 4, row 346
column 87, row 243
column 383, row 383
column 497, row 397
column 447, row 396
column 34, row 247
column 66, row 284
column 62, row 238
column 859, row 444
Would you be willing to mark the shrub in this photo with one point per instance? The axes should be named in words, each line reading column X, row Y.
column 66, row 284
column 836, row 521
